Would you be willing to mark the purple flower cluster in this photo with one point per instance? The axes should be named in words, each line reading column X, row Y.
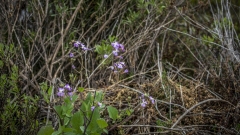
column 118, row 65
column 81, row 45
column 78, row 44
column 117, row 46
column 144, row 102
column 61, row 91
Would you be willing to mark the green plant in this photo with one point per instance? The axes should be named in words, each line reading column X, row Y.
column 18, row 110
column 86, row 120
column 160, row 123
column 105, row 48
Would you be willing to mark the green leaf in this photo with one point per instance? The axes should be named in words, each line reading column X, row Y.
column 45, row 96
column 89, row 98
column 99, row 96
column 129, row 112
column 95, row 133
column 113, row 112
column 50, row 90
column 66, row 120
column 74, row 98
column 105, row 130
column 97, row 49
column 46, row 130
column 82, row 128
column 67, row 100
column 43, row 86
column 57, row 133
column 58, row 109
column 84, row 107
column 68, row 130
column 93, row 126
column 80, row 89
column 102, row 123
column 77, row 120
column 67, row 110
column 70, row 133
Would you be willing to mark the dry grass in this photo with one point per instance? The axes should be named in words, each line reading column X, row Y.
column 186, row 57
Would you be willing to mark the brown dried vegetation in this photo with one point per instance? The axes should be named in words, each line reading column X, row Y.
column 186, row 57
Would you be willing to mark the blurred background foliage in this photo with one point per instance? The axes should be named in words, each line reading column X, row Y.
column 194, row 44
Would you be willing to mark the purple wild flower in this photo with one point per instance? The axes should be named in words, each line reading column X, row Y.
column 118, row 46
column 126, row 71
column 105, row 56
column 120, row 57
column 60, row 92
column 99, row 104
column 152, row 100
column 115, row 45
column 71, row 55
column 142, row 96
column 144, row 103
column 73, row 67
column 115, row 52
column 68, row 87
column 111, row 67
column 70, row 93
column 123, row 64
column 76, row 44
column 121, row 47
column 84, row 47
column 92, row 108
column 120, row 65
